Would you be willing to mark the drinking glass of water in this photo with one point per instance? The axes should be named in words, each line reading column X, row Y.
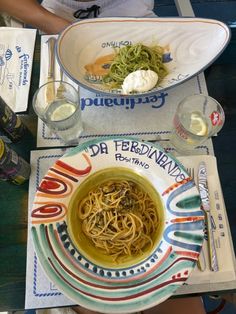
column 57, row 103
column 197, row 118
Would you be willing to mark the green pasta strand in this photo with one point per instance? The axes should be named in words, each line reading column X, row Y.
column 132, row 58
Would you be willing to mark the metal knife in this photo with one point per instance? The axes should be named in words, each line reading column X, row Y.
column 204, row 194
column 50, row 91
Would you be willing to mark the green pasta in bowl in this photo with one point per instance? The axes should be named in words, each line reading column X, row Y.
column 132, row 58
column 137, row 57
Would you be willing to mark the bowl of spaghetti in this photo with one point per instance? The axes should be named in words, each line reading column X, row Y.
column 117, row 220
column 153, row 55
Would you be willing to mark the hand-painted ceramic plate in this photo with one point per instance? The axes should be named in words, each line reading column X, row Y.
column 87, row 278
column 185, row 42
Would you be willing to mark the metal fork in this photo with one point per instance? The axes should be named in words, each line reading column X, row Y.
column 61, row 87
column 201, row 263
column 50, row 91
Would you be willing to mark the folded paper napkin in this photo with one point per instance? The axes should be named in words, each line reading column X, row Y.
column 16, row 58
column 41, row 293
column 148, row 117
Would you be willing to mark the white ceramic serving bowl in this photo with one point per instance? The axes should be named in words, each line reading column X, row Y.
column 188, row 46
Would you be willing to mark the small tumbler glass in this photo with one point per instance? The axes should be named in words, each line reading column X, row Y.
column 57, row 103
column 197, row 118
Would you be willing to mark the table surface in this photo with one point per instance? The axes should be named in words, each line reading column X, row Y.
column 221, row 82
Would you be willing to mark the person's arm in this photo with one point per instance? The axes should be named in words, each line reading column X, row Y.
column 32, row 13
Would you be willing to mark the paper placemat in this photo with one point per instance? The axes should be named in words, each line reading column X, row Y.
column 148, row 118
column 219, row 221
column 16, row 58
column 41, row 293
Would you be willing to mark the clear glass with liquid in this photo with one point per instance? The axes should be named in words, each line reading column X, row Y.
column 57, row 103
column 197, row 118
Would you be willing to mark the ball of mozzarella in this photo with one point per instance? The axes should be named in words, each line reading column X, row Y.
column 139, row 81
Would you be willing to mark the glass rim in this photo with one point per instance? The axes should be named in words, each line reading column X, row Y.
column 200, row 95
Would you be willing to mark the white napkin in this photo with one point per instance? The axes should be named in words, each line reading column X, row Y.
column 41, row 293
column 16, row 58
column 148, row 118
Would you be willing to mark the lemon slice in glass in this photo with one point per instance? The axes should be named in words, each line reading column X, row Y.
column 62, row 112
column 198, row 125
